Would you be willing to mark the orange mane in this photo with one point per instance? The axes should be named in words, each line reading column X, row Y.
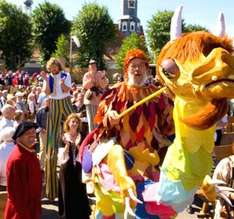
column 188, row 48
column 191, row 45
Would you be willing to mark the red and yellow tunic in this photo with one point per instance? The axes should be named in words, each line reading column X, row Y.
column 143, row 132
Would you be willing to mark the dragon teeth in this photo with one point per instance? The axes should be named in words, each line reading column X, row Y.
column 214, row 78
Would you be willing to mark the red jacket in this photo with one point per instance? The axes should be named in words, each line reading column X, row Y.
column 23, row 185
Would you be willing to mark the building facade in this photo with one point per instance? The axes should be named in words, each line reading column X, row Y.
column 129, row 22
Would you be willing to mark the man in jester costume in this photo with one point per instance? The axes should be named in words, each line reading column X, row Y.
column 127, row 149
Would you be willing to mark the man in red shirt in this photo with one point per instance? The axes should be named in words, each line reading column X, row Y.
column 23, row 176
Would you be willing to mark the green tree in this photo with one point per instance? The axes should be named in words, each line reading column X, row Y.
column 62, row 49
column 131, row 42
column 49, row 23
column 158, row 30
column 194, row 27
column 94, row 28
column 15, row 35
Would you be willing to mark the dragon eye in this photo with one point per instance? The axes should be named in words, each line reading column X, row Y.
column 170, row 69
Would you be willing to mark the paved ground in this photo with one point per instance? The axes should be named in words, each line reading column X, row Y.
column 50, row 211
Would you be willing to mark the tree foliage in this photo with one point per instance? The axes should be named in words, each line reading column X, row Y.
column 49, row 23
column 158, row 30
column 15, row 35
column 131, row 42
column 194, row 27
column 95, row 29
column 62, row 49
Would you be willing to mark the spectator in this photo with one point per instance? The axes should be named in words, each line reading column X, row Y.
column 20, row 103
column 93, row 82
column 225, row 171
column 79, row 103
column 23, row 176
column 8, row 114
column 231, row 107
column 32, row 104
column 4, row 94
column 26, row 79
column 72, row 190
column 41, row 120
column 41, row 98
column 5, row 149
column 220, row 129
column 117, row 77
column 73, row 88
column 19, row 117
column 8, row 78
column 2, row 100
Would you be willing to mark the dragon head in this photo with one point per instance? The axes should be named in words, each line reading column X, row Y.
column 198, row 66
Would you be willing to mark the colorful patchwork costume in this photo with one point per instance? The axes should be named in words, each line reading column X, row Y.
column 127, row 155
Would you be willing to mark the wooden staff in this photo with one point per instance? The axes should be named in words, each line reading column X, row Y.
column 151, row 96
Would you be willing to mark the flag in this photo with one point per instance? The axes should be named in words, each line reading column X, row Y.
column 76, row 41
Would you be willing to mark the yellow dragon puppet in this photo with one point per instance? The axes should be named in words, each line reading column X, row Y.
column 198, row 69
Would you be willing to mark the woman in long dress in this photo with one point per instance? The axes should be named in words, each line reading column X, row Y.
column 73, row 201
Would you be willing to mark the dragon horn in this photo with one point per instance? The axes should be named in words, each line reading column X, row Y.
column 176, row 24
column 221, row 25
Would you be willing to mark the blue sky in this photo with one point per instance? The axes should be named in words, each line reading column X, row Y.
column 203, row 12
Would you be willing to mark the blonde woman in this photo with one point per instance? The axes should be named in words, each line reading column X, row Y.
column 73, row 201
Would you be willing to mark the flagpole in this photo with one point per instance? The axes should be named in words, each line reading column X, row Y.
column 70, row 55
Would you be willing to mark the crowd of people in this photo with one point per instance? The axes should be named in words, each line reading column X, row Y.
column 44, row 103
column 48, row 121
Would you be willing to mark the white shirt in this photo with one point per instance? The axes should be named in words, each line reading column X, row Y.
column 41, row 99
column 5, row 150
column 31, row 107
column 223, row 170
column 59, row 93
column 6, row 123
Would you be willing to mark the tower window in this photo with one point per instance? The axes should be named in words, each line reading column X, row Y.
column 124, row 26
column 131, row 3
column 132, row 26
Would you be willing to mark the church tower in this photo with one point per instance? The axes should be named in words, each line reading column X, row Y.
column 129, row 22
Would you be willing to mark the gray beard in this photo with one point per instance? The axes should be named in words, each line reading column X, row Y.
column 133, row 82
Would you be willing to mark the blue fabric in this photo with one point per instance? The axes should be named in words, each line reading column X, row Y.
column 140, row 208
column 99, row 215
column 51, row 83
column 41, row 118
column 87, row 162
column 129, row 160
column 173, row 193
column 51, row 80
